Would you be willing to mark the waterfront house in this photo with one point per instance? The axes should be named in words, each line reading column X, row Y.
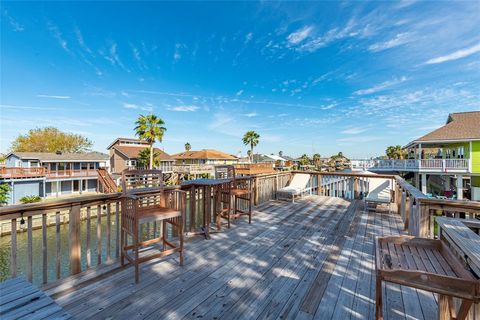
column 47, row 174
column 124, row 154
column 204, row 156
column 446, row 159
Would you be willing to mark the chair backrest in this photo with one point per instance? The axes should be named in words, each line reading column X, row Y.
column 141, row 179
column 300, row 180
column 225, row 172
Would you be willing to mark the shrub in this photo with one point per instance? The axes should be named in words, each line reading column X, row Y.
column 30, row 199
column 4, row 191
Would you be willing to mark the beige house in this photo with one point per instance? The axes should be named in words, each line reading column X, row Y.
column 124, row 155
column 205, row 156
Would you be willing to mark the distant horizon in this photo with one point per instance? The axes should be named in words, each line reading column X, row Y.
column 309, row 77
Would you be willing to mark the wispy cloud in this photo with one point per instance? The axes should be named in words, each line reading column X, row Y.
column 248, row 37
column 17, row 27
column 360, row 139
column 52, row 96
column 250, row 115
column 130, row 106
column 55, row 31
column 81, row 40
column 354, row 130
column 299, row 35
column 382, row 86
column 455, row 55
column 398, row 40
column 7, row 106
column 184, row 108
column 239, row 92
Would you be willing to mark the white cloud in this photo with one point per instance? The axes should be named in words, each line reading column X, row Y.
column 354, row 130
column 239, row 93
column 52, row 96
column 184, row 108
column 382, row 86
column 17, row 27
column 299, row 35
column 58, row 36
column 248, row 37
column 455, row 55
column 360, row 139
column 81, row 41
column 250, row 115
column 398, row 40
column 130, row 106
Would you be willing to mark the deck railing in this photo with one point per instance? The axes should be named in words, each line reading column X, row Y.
column 437, row 165
column 71, row 173
column 18, row 172
column 74, row 235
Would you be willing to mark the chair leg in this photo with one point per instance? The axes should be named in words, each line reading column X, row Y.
column 250, row 209
column 378, row 302
column 164, row 234
column 122, row 247
column 229, row 210
column 137, row 269
column 181, row 242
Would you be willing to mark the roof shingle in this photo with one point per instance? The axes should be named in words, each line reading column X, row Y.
column 459, row 126
column 132, row 152
column 204, row 154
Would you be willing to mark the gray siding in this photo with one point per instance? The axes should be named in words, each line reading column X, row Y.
column 66, row 187
column 92, row 185
column 25, row 188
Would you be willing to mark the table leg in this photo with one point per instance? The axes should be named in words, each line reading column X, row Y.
column 207, row 213
column 443, row 307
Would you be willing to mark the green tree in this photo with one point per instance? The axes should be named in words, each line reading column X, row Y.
column 188, row 147
column 316, row 159
column 50, row 139
column 4, row 193
column 304, row 160
column 144, row 157
column 251, row 138
column 280, row 153
column 395, row 152
column 150, row 128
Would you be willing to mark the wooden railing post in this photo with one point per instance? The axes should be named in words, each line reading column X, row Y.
column 74, row 239
column 424, row 220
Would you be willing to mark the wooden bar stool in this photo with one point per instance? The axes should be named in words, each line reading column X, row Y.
column 143, row 201
column 235, row 190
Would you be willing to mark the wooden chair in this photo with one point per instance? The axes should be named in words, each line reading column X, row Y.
column 237, row 189
column 144, row 200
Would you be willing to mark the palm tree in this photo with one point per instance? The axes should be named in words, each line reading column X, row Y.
column 249, row 154
column 188, row 146
column 150, row 128
column 251, row 138
column 316, row 159
column 395, row 152
column 280, row 154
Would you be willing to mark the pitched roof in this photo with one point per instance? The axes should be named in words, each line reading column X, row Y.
column 132, row 152
column 127, row 139
column 64, row 156
column 204, row 154
column 459, row 126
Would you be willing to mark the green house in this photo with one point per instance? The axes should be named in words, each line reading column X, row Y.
column 452, row 152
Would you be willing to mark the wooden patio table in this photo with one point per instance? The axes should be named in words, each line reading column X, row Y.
column 209, row 187
column 429, row 265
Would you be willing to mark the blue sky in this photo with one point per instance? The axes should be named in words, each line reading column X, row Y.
column 307, row 76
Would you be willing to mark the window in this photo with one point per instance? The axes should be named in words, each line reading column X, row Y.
column 84, row 165
column 61, row 166
column 76, row 185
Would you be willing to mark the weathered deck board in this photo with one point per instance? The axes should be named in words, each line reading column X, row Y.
column 310, row 259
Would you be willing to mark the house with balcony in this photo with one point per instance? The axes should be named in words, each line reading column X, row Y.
column 447, row 158
column 124, row 154
column 46, row 174
column 201, row 162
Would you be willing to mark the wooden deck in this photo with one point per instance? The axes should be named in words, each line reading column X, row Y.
column 310, row 259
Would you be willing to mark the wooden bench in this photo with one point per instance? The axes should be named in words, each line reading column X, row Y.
column 21, row 299
column 425, row 264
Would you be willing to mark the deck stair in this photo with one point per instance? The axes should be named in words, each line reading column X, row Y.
column 106, row 181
